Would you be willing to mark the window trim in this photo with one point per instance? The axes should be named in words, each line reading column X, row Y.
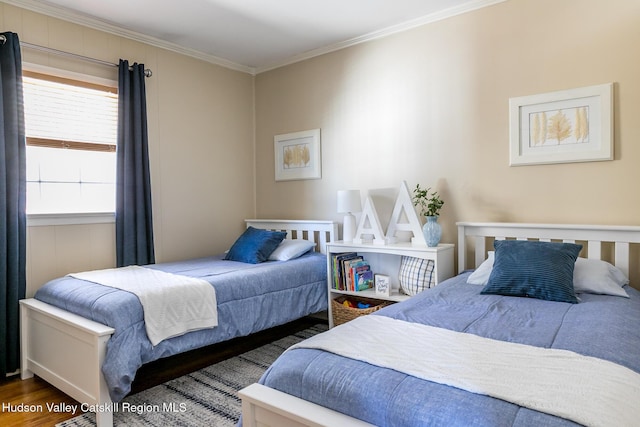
column 62, row 75
column 79, row 80
column 40, row 220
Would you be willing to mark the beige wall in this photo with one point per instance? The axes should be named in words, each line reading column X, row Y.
column 200, row 120
column 430, row 106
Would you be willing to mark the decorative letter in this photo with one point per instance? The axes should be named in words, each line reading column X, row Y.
column 370, row 216
column 404, row 202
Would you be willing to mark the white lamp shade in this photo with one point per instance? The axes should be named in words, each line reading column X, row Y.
column 349, row 201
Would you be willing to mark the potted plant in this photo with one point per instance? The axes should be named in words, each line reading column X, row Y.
column 430, row 204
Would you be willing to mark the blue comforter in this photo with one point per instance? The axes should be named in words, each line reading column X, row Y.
column 602, row 326
column 251, row 297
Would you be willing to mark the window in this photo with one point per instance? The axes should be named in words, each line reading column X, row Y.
column 71, row 129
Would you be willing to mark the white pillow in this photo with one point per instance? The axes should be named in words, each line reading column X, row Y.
column 591, row 276
column 594, row 276
column 480, row 276
column 290, row 249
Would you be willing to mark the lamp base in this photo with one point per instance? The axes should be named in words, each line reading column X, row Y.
column 349, row 228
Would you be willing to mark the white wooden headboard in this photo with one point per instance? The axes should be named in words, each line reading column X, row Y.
column 320, row 232
column 594, row 235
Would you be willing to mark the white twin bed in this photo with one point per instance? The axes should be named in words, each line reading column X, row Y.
column 80, row 336
column 570, row 335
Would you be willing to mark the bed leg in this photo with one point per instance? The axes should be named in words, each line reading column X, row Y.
column 104, row 419
column 25, row 372
column 248, row 414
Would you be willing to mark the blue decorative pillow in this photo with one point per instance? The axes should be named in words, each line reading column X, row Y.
column 542, row 270
column 255, row 245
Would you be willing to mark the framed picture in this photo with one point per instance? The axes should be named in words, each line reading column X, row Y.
column 559, row 127
column 382, row 285
column 297, row 155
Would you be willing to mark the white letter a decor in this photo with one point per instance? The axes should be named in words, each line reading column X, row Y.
column 369, row 225
column 405, row 204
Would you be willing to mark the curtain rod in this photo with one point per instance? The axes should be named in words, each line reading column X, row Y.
column 3, row 39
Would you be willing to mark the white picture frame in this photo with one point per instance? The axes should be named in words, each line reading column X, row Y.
column 573, row 125
column 297, row 155
column 382, row 285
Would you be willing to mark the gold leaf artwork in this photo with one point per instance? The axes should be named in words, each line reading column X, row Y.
column 582, row 124
column 559, row 127
column 570, row 126
column 296, row 156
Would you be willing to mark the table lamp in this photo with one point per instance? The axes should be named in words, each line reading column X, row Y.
column 349, row 202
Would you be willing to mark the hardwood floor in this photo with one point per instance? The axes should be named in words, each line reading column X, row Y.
column 35, row 394
column 39, row 397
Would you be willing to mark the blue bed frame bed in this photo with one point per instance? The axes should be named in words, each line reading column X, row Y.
column 314, row 387
column 80, row 336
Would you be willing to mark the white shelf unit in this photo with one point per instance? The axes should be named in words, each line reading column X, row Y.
column 385, row 259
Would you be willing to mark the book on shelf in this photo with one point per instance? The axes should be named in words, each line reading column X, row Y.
column 338, row 268
column 363, row 280
column 349, row 266
column 351, row 272
column 357, row 270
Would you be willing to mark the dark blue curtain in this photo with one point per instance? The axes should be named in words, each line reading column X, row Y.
column 134, row 224
column 13, row 185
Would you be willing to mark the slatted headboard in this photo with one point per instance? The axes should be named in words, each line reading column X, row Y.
column 595, row 237
column 320, row 232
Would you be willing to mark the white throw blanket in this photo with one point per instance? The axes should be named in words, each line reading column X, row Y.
column 172, row 304
column 587, row 390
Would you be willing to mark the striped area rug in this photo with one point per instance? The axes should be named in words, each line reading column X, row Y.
column 207, row 397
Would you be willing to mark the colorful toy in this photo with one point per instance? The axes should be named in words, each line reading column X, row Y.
column 351, row 304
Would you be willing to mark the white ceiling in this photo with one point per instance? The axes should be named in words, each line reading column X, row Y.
column 253, row 35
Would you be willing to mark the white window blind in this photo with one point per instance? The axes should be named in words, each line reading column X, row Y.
column 70, row 113
column 71, row 129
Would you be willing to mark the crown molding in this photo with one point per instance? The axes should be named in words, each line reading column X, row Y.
column 87, row 21
column 81, row 19
column 405, row 26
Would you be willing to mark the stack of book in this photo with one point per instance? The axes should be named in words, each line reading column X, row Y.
column 351, row 272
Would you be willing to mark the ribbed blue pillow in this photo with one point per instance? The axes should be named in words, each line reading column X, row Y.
column 255, row 245
column 542, row 270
